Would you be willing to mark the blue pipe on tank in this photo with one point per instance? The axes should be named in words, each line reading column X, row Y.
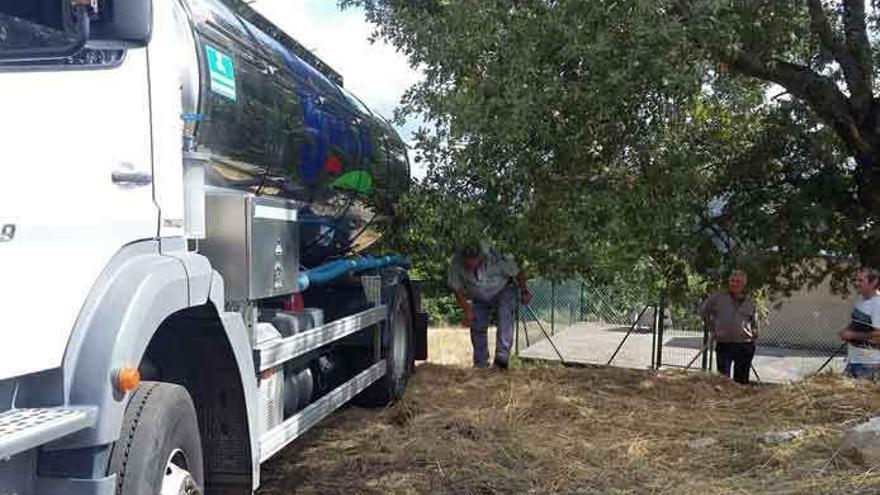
column 335, row 269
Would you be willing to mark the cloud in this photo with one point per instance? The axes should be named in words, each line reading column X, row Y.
column 376, row 72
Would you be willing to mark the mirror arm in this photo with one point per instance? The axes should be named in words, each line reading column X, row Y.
column 82, row 19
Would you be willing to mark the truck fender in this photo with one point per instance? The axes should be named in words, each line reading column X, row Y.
column 138, row 290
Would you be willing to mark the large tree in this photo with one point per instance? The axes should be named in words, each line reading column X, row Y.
column 592, row 135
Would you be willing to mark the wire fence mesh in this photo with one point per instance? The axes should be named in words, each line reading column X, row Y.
column 575, row 321
column 578, row 314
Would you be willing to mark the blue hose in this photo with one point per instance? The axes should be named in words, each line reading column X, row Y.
column 335, row 269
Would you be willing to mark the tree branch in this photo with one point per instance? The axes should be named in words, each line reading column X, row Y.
column 820, row 26
column 819, row 92
column 858, row 81
column 858, row 46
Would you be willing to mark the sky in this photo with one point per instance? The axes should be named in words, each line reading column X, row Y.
column 375, row 72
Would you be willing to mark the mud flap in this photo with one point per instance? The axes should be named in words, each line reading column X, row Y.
column 420, row 323
column 420, row 336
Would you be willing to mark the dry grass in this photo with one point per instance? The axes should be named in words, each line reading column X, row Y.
column 585, row 431
column 452, row 346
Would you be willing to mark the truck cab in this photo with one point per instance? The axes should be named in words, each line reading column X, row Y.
column 188, row 199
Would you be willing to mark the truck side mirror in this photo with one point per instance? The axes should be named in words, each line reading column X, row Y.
column 123, row 23
column 36, row 30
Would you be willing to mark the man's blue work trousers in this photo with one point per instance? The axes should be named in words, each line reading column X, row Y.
column 505, row 303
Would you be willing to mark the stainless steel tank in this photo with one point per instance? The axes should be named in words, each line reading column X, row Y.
column 276, row 121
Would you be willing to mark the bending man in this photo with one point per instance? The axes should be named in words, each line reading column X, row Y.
column 479, row 273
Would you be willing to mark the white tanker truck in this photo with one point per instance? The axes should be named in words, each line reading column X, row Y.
column 187, row 200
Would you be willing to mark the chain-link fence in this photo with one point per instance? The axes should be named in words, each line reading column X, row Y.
column 575, row 321
column 580, row 317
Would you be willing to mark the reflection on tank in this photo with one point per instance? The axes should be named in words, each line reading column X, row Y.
column 290, row 130
column 282, row 127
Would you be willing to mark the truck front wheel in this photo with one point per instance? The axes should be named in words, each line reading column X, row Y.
column 159, row 448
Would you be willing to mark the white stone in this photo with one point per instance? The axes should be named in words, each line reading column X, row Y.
column 702, row 443
column 862, row 443
column 778, row 437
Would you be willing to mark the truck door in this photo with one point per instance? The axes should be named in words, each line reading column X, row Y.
column 75, row 187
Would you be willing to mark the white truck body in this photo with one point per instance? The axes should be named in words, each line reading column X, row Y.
column 59, row 199
column 106, row 265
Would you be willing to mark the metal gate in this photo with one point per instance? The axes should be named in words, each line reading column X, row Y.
column 680, row 346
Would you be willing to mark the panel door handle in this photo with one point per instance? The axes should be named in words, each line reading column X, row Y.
column 131, row 178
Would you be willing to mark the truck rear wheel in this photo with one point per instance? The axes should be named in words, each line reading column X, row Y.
column 398, row 352
column 159, row 450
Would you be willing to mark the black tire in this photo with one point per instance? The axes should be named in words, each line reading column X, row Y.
column 160, row 420
column 392, row 386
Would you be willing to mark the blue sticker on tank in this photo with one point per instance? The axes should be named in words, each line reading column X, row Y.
column 222, row 72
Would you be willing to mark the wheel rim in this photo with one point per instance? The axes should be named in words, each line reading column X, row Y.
column 178, row 480
column 400, row 346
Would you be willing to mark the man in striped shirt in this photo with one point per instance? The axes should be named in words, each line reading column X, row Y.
column 863, row 332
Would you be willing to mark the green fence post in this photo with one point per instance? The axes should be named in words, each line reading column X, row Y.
column 654, row 340
column 704, row 364
column 516, row 336
column 552, row 307
column 581, row 312
column 661, row 313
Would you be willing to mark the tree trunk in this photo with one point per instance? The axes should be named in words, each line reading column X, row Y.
column 868, row 179
column 869, row 246
column 868, row 254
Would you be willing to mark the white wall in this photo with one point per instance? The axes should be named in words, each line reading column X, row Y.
column 808, row 319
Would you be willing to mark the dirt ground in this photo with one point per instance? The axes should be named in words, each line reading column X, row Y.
column 582, row 430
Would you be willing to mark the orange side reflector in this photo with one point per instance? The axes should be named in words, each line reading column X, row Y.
column 128, row 379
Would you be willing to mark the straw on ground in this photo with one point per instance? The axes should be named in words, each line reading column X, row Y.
column 589, row 430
